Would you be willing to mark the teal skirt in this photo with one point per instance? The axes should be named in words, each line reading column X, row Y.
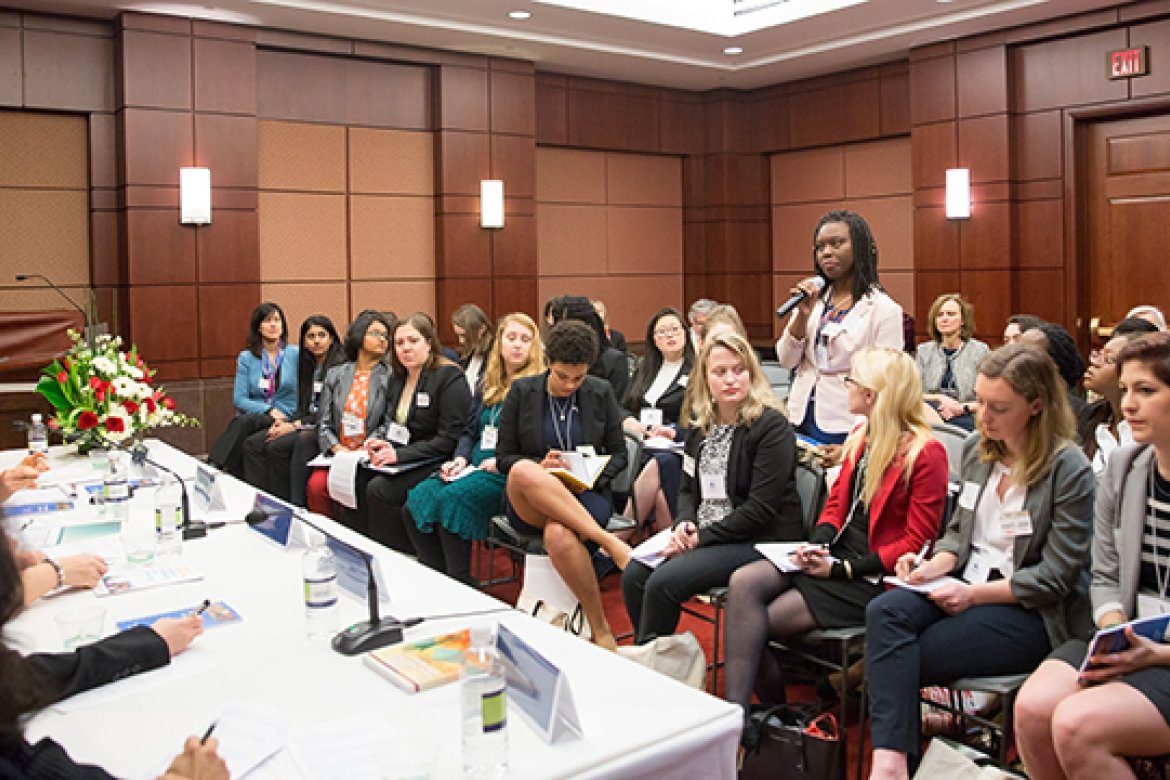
column 464, row 507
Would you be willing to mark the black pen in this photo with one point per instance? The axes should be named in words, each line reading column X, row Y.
column 199, row 611
column 207, row 734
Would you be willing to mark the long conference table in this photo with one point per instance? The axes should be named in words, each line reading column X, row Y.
column 635, row 722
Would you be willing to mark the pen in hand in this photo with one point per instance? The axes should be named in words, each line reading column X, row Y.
column 921, row 556
column 207, row 734
column 199, row 610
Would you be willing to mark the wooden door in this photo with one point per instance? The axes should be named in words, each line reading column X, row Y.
column 1124, row 211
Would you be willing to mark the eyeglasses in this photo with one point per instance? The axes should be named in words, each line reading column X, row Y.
column 849, row 380
column 378, row 334
column 672, row 330
column 1099, row 357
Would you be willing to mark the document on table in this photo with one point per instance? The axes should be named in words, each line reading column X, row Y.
column 926, row 587
column 250, row 737
column 362, row 747
column 649, row 552
column 130, row 579
column 343, row 475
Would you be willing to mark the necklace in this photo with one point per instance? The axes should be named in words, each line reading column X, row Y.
column 561, row 410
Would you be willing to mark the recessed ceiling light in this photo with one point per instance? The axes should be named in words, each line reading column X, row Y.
column 733, row 50
column 521, row 15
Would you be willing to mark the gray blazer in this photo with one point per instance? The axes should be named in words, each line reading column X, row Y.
column 1050, row 562
column 1120, row 519
column 932, row 364
column 333, row 394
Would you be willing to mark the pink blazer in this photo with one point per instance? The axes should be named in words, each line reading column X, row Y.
column 875, row 320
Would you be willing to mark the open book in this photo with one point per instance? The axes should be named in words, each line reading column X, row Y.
column 582, row 470
column 1114, row 640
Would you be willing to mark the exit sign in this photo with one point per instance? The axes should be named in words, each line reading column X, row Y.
column 1127, row 63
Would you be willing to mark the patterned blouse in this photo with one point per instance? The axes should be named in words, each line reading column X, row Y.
column 355, row 404
column 713, row 461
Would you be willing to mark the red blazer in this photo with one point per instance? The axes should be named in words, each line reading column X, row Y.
column 901, row 517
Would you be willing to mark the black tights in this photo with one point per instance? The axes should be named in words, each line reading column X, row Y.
column 441, row 550
column 761, row 605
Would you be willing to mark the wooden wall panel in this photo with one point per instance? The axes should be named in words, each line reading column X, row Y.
column 300, row 300
column 401, row 297
column 391, row 237
column 1067, row 72
column 814, row 175
column 933, row 90
column 982, row 81
column 156, row 70
column 570, row 176
column 301, row 157
column 225, row 76
column 65, row 72
column 630, row 120
column 302, row 236
column 1038, row 145
column 391, row 162
column 44, row 231
column 11, row 68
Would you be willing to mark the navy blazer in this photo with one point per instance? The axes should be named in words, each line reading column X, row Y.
column 435, row 427
column 522, row 424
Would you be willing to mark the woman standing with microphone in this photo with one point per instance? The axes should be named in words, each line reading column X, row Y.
column 830, row 324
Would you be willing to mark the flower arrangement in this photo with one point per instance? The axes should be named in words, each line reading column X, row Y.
column 104, row 395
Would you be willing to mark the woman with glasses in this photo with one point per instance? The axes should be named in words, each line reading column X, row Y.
column 948, row 362
column 265, row 390
column 887, row 502
column 738, row 488
column 276, row 459
column 353, row 401
column 1018, row 538
column 831, row 324
column 653, row 401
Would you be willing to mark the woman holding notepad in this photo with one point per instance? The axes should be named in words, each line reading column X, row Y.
column 546, row 417
column 1018, row 537
column 887, row 501
column 738, row 488
column 1075, row 724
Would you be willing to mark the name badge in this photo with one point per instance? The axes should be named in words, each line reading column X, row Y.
column 978, row 567
column 650, row 417
column 1016, row 523
column 422, row 400
column 689, row 465
column 969, row 495
column 832, row 329
column 263, row 383
column 317, row 387
column 1150, row 605
column 587, row 450
column 352, row 425
column 398, row 434
column 682, row 380
column 489, row 437
column 714, row 486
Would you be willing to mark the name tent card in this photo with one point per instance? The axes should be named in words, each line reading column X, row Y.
column 278, row 526
column 538, row 689
column 207, row 490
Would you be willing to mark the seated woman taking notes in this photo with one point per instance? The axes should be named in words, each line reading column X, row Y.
column 559, row 411
column 887, row 501
column 1075, row 725
column 1019, row 536
column 738, row 488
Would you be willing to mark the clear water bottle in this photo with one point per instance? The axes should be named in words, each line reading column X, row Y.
column 322, row 610
column 168, row 516
column 137, row 530
column 485, row 707
column 38, row 435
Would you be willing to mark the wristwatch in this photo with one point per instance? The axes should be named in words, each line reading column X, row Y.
column 60, row 572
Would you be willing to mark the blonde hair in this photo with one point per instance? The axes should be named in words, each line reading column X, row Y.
column 495, row 375
column 699, row 405
column 1030, row 373
column 723, row 313
column 896, row 422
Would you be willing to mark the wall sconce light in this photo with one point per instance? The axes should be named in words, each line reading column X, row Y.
column 491, row 203
column 958, row 193
column 195, row 196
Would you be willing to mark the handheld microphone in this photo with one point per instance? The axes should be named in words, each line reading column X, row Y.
column 62, row 293
column 366, row 635
column 817, row 281
column 192, row 529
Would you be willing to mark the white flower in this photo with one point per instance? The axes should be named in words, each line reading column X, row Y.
column 134, row 371
column 103, row 365
column 124, row 386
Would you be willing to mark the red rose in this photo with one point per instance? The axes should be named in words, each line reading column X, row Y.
column 95, row 383
column 168, row 402
column 130, row 406
column 99, row 394
column 63, row 377
column 115, row 424
column 86, row 421
column 150, row 405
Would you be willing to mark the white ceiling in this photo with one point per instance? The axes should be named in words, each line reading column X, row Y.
column 682, row 47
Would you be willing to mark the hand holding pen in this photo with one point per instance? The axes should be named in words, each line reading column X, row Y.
column 909, row 563
column 179, row 633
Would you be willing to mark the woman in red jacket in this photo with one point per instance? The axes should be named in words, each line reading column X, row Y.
column 888, row 500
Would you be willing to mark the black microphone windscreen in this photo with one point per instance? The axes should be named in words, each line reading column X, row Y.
column 255, row 517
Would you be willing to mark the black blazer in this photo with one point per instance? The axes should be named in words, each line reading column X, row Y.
column 761, row 483
column 436, row 427
column 671, row 401
column 614, row 367
column 522, row 424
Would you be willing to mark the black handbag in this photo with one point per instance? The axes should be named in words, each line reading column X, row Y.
column 794, row 741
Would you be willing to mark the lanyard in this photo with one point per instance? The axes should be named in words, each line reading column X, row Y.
column 858, row 483
column 565, row 412
column 271, row 370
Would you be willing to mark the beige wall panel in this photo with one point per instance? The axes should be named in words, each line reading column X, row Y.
column 392, row 162
column 32, row 298
column 43, row 150
column 402, row 298
column 782, row 284
column 880, row 168
column 899, row 285
column 817, row 174
column 302, row 237
column 792, row 236
column 301, row 300
column 570, row 240
column 892, row 222
column 644, row 240
column 295, row 156
column 630, row 300
column 569, row 176
column 642, row 180
column 391, row 237
column 45, row 232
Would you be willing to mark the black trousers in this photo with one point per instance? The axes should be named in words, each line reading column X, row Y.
column 385, row 499
column 280, row 466
column 227, row 454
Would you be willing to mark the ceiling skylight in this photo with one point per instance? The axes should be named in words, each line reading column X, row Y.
column 717, row 17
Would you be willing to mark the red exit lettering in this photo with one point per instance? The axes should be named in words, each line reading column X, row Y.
column 1127, row 63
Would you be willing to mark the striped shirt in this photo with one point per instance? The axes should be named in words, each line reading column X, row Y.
column 1156, row 539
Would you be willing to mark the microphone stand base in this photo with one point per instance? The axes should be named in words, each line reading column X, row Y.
column 195, row 530
column 365, row 636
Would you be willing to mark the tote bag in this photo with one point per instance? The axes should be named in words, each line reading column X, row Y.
column 546, row 597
